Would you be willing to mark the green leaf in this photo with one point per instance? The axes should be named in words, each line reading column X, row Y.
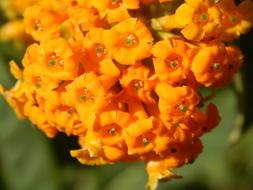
column 26, row 160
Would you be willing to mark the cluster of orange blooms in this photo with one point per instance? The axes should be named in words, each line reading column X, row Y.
column 100, row 71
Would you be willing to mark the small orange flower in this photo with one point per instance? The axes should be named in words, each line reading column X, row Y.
column 198, row 19
column 16, row 98
column 176, row 103
column 56, row 60
column 88, row 96
column 66, row 119
column 96, row 52
column 172, row 60
column 237, row 20
column 97, row 59
column 115, row 10
column 160, row 169
column 138, row 82
column 201, row 123
column 129, row 37
column 42, row 23
column 234, row 63
column 139, row 136
column 31, row 73
column 84, row 18
column 91, row 152
column 110, row 129
column 209, row 64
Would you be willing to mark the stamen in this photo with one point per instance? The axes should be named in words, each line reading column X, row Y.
column 183, row 108
column 100, row 50
column 130, row 40
column 145, row 141
column 37, row 25
column 138, row 85
column 204, row 17
column 112, row 131
column 216, row 66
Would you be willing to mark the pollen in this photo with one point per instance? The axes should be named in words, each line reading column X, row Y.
column 145, row 141
column 38, row 25
column 100, row 50
column 130, row 40
column 137, row 85
column 112, row 131
column 183, row 108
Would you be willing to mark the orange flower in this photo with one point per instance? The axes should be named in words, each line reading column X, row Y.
column 83, row 19
column 237, row 20
column 129, row 37
column 87, row 95
column 66, row 119
column 172, row 59
column 198, row 19
column 115, row 10
column 201, row 123
column 56, row 60
column 110, row 129
column 16, row 98
column 176, row 103
column 91, row 152
column 42, row 23
column 97, row 59
column 234, row 63
column 25, row 104
column 38, row 118
column 209, row 64
column 31, row 73
column 139, row 136
column 138, row 82
column 160, row 169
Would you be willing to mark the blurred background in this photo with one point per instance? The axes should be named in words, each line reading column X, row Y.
column 31, row 161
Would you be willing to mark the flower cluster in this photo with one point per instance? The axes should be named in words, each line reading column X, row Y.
column 101, row 72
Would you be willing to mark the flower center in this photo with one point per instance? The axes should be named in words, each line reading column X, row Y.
column 100, row 50
column 201, row 16
column 216, row 66
column 112, row 131
column 54, row 60
column 233, row 19
column 173, row 61
column 37, row 25
column 145, row 141
column 85, row 95
column 37, row 82
column 70, row 111
column 137, row 85
column 183, row 108
column 204, row 17
column 130, row 40
column 114, row 4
